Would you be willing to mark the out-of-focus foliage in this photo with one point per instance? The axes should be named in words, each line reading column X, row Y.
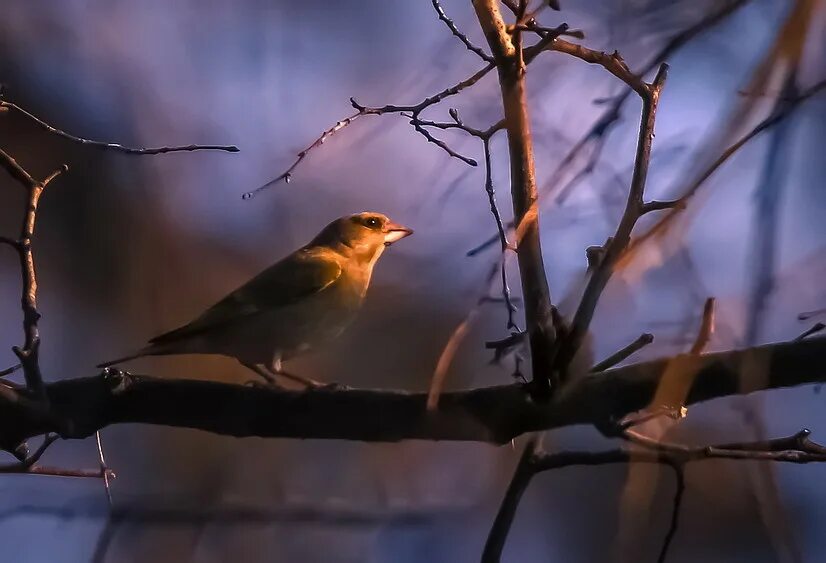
column 131, row 246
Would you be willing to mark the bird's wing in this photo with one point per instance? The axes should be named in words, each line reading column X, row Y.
column 299, row 275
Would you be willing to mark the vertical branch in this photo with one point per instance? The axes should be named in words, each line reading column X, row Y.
column 28, row 354
column 507, row 510
column 767, row 214
column 503, row 237
column 635, row 207
column 706, row 328
column 679, row 489
column 507, row 52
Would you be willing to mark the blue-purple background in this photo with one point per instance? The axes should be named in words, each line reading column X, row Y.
column 131, row 246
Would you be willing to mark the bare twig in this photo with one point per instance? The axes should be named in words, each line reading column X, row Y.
column 706, row 328
column 112, row 146
column 362, row 110
column 522, row 476
column 805, row 316
column 437, row 380
column 24, row 465
column 287, row 174
column 634, row 209
column 813, row 330
column 679, row 490
column 28, row 354
column 10, row 370
column 780, row 113
column 503, row 238
column 797, row 448
column 619, row 356
column 462, row 37
column 28, row 465
column 107, row 473
column 599, row 131
column 640, row 418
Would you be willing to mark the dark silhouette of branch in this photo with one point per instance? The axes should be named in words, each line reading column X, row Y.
column 619, row 356
column 797, row 448
column 10, row 370
column 634, row 207
column 813, row 330
column 81, row 406
column 362, row 110
column 599, row 131
column 522, row 476
column 111, row 146
column 679, row 491
column 780, row 113
column 805, row 316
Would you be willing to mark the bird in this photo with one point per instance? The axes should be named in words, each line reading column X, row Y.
column 302, row 301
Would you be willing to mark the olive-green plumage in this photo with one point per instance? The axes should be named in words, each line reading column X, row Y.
column 305, row 299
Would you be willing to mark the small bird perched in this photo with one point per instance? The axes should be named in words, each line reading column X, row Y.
column 307, row 298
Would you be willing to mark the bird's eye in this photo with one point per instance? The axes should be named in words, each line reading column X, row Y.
column 372, row 222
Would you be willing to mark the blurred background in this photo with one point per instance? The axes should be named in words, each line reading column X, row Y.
column 131, row 246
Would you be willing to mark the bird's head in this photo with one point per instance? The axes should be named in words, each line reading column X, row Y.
column 363, row 234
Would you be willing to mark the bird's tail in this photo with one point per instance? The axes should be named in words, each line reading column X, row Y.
column 151, row 350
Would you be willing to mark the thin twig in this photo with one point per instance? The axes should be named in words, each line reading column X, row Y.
column 25, row 465
column 10, row 370
column 287, row 174
column 362, row 110
column 634, row 208
column 451, row 347
column 28, row 354
column 777, row 116
column 602, row 127
column 503, row 238
column 797, row 448
column 113, row 146
column 462, row 37
column 642, row 341
column 679, row 490
column 813, row 330
column 108, row 474
column 706, row 328
column 805, row 316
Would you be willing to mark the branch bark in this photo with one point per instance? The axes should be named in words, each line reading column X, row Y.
column 81, row 406
column 510, row 64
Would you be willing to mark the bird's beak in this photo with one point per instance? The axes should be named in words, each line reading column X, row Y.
column 394, row 232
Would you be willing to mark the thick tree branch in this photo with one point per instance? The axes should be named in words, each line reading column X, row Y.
column 79, row 407
column 507, row 51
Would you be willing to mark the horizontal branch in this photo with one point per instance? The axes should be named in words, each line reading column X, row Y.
column 111, row 146
column 81, row 406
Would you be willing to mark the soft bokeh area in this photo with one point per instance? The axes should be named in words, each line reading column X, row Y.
column 131, row 246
